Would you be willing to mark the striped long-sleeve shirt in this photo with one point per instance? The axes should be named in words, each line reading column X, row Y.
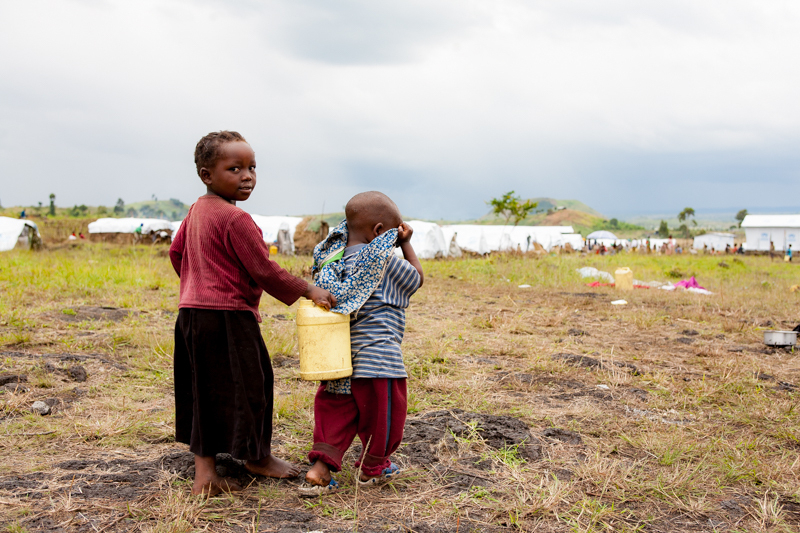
column 223, row 262
column 376, row 330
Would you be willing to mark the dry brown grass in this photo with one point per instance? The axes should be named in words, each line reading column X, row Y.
column 704, row 436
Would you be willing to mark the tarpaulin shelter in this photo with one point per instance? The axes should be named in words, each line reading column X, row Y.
column 271, row 227
column 715, row 241
column 17, row 232
column 483, row 239
column 780, row 230
column 601, row 234
column 123, row 229
column 428, row 239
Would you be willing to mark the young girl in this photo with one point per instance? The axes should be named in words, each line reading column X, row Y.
column 223, row 374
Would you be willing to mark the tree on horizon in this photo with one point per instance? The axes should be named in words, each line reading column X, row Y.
column 509, row 206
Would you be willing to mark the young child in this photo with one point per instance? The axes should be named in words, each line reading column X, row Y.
column 223, row 374
column 374, row 285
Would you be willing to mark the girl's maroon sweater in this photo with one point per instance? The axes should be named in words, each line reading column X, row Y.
column 223, row 262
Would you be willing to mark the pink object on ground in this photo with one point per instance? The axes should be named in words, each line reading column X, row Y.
column 690, row 283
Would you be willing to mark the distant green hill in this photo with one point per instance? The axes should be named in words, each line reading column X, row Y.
column 576, row 205
column 547, row 206
column 172, row 209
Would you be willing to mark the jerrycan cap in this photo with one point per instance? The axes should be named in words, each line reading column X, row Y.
column 305, row 302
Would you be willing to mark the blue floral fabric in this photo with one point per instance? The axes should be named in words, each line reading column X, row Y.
column 351, row 289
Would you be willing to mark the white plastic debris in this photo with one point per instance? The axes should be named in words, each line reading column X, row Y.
column 619, row 302
column 604, row 387
column 525, row 286
column 591, row 272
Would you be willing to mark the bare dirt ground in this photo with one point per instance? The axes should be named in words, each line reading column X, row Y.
column 532, row 409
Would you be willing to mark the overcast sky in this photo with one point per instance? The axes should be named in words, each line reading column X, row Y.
column 627, row 105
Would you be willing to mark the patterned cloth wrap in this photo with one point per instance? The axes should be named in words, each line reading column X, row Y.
column 351, row 289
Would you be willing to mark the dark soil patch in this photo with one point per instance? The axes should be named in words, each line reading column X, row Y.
column 280, row 360
column 736, row 507
column 684, row 340
column 578, row 360
column 591, row 363
column 79, row 314
column 12, row 378
column 576, row 332
column 424, row 433
column 77, row 373
column 564, row 435
column 690, row 332
column 66, row 357
column 119, row 479
column 512, row 377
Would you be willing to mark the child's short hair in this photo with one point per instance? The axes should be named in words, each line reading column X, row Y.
column 207, row 150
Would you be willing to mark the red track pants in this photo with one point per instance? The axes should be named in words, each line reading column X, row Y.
column 376, row 411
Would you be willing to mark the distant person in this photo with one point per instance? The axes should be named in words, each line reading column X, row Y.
column 23, row 215
column 372, row 403
column 72, row 237
column 727, row 249
column 771, row 250
column 789, row 254
column 222, row 372
column 740, row 251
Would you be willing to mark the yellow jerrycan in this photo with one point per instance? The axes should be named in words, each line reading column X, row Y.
column 273, row 250
column 623, row 279
column 324, row 341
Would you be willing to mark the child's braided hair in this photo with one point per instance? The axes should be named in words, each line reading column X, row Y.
column 207, row 150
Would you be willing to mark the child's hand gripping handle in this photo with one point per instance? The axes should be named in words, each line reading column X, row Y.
column 320, row 297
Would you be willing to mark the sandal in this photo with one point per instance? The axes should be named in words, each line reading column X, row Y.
column 308, row 490
column 385, row 475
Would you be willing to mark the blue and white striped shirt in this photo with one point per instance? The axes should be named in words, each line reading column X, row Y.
column 376, row 330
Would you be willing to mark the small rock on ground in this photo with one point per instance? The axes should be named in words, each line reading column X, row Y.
column 41, row 408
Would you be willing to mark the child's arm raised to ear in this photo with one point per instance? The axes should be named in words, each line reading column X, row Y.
column 404, row 233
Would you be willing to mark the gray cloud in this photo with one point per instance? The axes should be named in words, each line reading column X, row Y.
column 442, row 105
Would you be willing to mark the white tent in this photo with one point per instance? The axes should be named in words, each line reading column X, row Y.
column 780, row 230
column 715, row 241
column 14, row 231
column 601, row 235
column 485, row 239
column 129, row 225
column 272, row 225
column 428, row 239
column 574, row 239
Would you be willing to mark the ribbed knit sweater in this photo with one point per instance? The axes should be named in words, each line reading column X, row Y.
column 223, row 262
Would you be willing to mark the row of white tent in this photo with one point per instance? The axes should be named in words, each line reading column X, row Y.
column 430, row 240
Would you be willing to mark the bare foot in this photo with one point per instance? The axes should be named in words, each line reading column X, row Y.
column 272, row 467
column 215, row 486
column 319, row 474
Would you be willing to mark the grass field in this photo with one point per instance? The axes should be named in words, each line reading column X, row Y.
column 533, row 409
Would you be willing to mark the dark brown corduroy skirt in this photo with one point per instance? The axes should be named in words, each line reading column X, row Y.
column 223, row 384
